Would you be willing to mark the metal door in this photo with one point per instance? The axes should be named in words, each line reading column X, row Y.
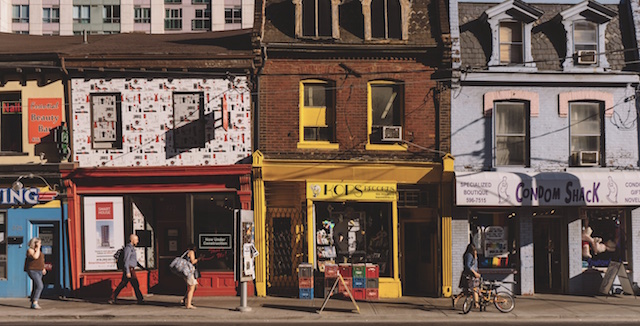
column 49, row 235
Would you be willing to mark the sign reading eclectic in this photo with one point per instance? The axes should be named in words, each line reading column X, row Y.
column 351, row 191
column 25, row 196
column 545, row 189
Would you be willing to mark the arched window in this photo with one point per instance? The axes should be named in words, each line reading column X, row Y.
column 386, row 21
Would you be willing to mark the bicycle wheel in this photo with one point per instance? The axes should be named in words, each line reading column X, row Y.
column 504, row 302
column 468, row 303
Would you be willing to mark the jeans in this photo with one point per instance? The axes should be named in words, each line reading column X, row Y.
column 134, row 284
column 36, row 276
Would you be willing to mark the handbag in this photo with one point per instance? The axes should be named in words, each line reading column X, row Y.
column 196, row 273
column 181, row 266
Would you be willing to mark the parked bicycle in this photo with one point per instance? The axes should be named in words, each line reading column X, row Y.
column 488, row 293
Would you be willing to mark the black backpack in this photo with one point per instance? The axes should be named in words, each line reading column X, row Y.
column 119, row 256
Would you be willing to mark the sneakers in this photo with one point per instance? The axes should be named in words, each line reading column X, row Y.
column 111, row 301
column 35, row 306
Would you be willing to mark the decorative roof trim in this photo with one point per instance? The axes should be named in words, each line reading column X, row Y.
column 590, row 10
column 516, row 9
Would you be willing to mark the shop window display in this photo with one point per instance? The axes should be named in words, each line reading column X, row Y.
column 354, row 233
column 213, row 231
column 494, row 236
column 603, row 237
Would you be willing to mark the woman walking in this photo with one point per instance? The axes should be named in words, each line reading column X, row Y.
column 34, row 266
column 191, row 279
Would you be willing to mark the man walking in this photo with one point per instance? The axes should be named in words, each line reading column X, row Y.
column 128, row 271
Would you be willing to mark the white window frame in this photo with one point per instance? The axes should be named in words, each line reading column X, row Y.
column 109, row 14
column 23, row 14
column 173, row 17
column 52, row 15
column 511, row 43
column 235, row 14
column 600, row 133
column 526, row 134
column 142, row 15
column 576, row 13
column 202, row 20
column 82, row 14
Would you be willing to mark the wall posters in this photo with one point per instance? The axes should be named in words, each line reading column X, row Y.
column 103, row 232
column 45, row 114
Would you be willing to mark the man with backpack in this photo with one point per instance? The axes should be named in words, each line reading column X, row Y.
column 130, row 261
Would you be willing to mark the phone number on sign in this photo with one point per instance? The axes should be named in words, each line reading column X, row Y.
column 476, row 200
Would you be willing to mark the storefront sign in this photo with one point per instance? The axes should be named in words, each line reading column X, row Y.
column 45, row 114
column 215, row 241
column 103, row 231
column 548, row 189
column 26, row 196
column 351, row 191
column 11, row 107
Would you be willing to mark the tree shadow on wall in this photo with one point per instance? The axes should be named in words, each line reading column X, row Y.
column 482, row 32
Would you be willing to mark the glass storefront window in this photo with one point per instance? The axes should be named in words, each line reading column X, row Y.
column 213, row 231
column 3, row 246
column 603, row 237
column 493, row 234
column 354, row 233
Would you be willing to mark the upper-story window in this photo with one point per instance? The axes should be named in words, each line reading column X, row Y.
column 586, row 133
column 316, row 18
column 511, row 125
column 202, row 20
column 386, row 20
column 511, row 47
column 386, row 112
column 511, row 23
column 233, row 15
column 142, row 15
column 81, row 14
column 188, row 120
column 173, row 19
column 317, row 114
column 111, row 14
column 586, row 24
column 106, row 121
column 11, row 122
column 20, row 13
column 51, row 15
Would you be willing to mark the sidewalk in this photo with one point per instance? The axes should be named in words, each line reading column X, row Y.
column 163, row 309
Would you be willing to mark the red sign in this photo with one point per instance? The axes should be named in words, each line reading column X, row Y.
column 104, row 211
column 11, row 107
column 45, row 114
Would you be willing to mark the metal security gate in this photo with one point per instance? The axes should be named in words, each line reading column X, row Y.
column 286, row 241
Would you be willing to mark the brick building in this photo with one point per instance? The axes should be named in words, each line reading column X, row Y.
column 352, row 126
column 544, row 131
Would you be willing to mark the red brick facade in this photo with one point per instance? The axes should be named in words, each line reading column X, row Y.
column 279, row 104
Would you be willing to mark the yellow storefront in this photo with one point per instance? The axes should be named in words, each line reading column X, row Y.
column 357, row 202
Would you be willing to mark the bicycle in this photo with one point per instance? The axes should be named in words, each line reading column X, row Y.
column 488, row 293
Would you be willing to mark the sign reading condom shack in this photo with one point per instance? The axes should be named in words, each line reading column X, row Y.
column 323, row 190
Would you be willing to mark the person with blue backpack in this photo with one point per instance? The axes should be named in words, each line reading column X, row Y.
column 129, row 263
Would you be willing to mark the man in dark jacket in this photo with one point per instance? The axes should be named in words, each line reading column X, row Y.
column 128, row 271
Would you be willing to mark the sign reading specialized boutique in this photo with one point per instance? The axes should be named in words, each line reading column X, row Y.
column 26, row 196
column 351, row 191
column 548, row 189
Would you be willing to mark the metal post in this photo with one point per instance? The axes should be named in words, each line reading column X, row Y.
column 243, row 298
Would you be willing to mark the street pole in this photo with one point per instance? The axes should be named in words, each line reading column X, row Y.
column 243, row 298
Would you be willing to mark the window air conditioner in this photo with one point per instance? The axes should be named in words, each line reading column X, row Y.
column 392, row 133
column 587, row 57
column 588, row 158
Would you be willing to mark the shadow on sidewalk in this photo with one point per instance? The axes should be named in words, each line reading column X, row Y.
column 304, row 308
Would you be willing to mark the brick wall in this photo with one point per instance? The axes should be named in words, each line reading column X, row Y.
column 279, row 104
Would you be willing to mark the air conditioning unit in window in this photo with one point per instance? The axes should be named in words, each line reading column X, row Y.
column 587, row 57
column 588, row 158
column 392, row 133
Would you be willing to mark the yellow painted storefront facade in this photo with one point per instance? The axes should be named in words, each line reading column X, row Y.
column 345, row 181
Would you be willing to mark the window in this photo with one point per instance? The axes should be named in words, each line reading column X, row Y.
column 586, row 133
column 11, row 122
column 172, row 1
column 110, row 14
column 106, row 121
column 511, row 42
column 199, row 1
column 81, row 14
column 354, row 232
column 585, row 38
column 212, row 218
column 511, row 134
column 188, row 120
column 50, row 15
column 385, row 19
column 3, row 246
column 316, row 18
column 142, row 15
column 233, row 15
column 494, row 236
column 173, row 19
column 386, row 110
column 604, row 236
column 317, row 111
column 20, row 13
column 202, row 21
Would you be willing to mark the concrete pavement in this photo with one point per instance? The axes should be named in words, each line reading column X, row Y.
column 164, row 309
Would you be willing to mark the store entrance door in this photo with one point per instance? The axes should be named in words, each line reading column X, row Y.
column 547, row 252
column 49, row 235
column 171, row 232
column 419, row 257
